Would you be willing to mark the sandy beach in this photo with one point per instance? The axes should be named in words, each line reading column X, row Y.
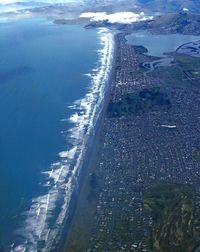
column 80, row 223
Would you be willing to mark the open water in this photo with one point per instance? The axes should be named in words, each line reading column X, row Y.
column 52, row 83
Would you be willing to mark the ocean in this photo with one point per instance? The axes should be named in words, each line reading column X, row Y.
column 52, row 84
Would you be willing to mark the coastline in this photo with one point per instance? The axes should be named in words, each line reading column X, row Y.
column 85, row 187
column 45, row 227
column 35, row 219
column 98, row 89
column 81, row 215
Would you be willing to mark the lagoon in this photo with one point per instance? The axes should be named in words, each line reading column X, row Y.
column 159, row 44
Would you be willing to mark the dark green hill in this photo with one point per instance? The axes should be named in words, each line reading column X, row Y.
column 171, row 5
column 172, row 207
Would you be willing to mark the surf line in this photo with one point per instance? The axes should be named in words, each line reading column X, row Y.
column 41, row 226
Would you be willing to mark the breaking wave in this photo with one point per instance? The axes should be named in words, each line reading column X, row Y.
column 46, row 216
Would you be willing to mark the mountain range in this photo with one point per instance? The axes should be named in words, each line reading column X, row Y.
column 50, row 7
column 148, row 5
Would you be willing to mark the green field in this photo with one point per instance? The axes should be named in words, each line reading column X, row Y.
column 146, row 100
column 81, row 232
column 140, row 49
column 184, row 72
column 172, row 208
column 197, row 155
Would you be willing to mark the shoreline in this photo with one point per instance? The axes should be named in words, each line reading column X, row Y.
column 107, row 42
column 91, row 157
column 42, row 211
column 102, row 76
column 90, row 106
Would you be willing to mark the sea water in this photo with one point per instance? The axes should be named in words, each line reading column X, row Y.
column 52, row 84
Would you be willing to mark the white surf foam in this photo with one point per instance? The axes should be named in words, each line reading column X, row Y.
column 62, row 176
column 74, row 118
column 68, row 154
